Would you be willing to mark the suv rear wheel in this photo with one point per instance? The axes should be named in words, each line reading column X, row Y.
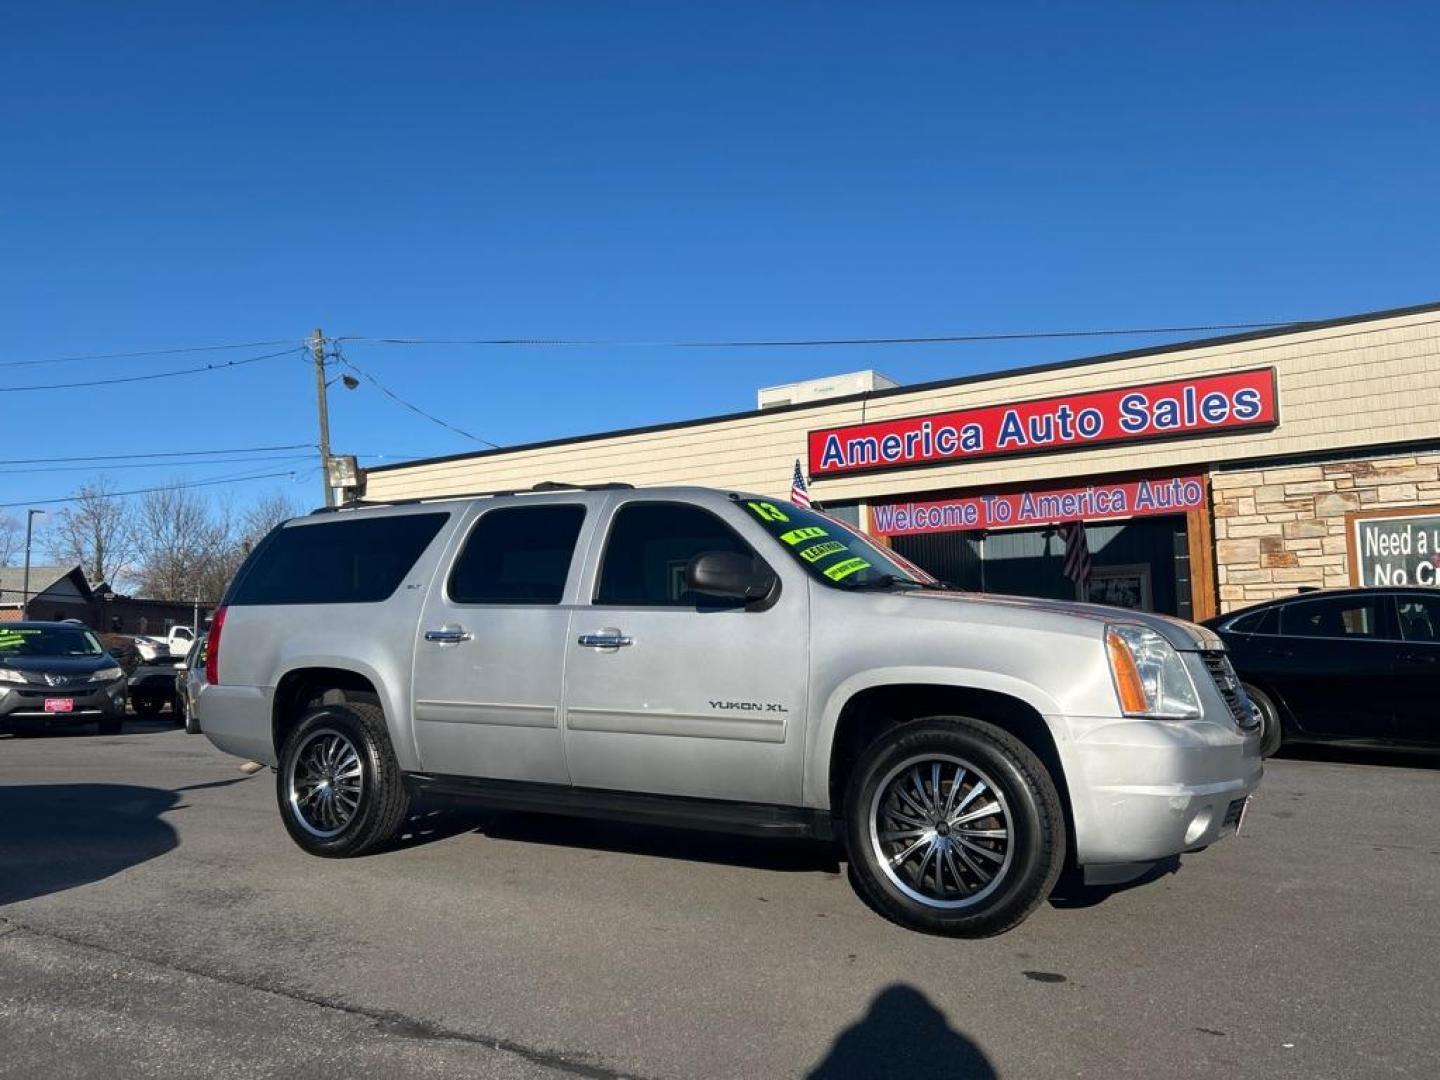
column 954, row 827
column 340, row 789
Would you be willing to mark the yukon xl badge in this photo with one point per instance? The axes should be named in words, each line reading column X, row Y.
column 750, row 706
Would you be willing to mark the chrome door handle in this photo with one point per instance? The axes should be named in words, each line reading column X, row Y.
column 448, row 635
column 605, row 640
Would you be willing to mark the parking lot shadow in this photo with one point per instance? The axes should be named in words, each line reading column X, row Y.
column 1072, row 892
column 903, row 1035
column 55, row 837
column 436, row 819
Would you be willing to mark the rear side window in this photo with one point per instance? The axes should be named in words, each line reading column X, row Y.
column 1265, row 621
column 517, row 556
column 650, row 545
column 355, row 561
column 1339, row 618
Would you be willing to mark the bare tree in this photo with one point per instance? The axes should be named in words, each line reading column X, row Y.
column 264, row 514
column 246, row 529
column 95, row 532
column 179, row 539
column 11, row 533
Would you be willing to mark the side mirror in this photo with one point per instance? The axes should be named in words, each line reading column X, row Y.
column 730, row 576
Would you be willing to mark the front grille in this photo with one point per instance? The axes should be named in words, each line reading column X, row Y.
column 49, row 684
column 1228, row 683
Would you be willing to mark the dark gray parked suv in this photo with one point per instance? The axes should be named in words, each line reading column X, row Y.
column 58, row 673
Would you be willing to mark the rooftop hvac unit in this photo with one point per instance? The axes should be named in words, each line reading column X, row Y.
column 797, row 393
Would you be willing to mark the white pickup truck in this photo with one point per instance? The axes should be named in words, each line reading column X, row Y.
column 176, row 644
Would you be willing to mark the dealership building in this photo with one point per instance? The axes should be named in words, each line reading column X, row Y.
column 1208, row 474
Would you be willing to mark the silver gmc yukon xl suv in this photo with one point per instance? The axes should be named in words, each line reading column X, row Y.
column 708, row 659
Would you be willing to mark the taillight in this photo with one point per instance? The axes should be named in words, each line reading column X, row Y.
column 212, row 652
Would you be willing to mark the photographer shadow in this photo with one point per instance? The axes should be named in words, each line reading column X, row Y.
column 55, row 837
column 903, row 1035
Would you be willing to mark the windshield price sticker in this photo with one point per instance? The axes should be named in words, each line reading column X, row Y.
column 845, row 568
column 816, row 552
column 799, row 536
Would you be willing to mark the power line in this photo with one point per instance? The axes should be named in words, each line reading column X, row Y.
column 177, row 350
column 155, row 375
column 805, row 343
column 412, row 407
column 159, row 454
column 284, row 460
column 145, row 491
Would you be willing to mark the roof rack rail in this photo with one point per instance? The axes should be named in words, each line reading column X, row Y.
column 564, row 485
column 538, row 489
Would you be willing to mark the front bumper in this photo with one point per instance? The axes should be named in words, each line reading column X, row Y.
column 1145, row 790
column 89, row 702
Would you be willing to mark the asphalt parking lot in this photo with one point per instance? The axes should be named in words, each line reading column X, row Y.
column 155, row 920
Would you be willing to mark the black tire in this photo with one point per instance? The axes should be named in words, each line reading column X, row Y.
column 110, row 725
column 147, row 708
column 1035, row 831
column 383, row 798
column 1272, row 728
column 192, row 722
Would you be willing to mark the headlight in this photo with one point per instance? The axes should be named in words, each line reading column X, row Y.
column 9, row 675
column 105, row 674
column 1150, row 677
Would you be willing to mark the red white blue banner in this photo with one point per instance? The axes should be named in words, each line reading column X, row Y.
column 1017, row 509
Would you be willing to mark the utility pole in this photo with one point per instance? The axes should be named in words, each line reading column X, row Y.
column 317, row 349
column 25, row 588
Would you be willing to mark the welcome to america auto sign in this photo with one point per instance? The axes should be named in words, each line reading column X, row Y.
column 1199, row 405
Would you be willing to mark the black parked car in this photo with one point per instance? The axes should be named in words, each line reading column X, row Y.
column 59, row 673
column 1357, row 666
column 155, row 685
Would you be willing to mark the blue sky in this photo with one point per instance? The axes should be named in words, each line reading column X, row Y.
column 195, row 173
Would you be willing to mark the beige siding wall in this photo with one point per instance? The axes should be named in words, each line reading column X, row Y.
column 1279, row 529
column 1345, row 386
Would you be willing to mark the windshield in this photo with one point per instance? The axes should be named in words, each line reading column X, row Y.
column 832, row 552
column 24, row 641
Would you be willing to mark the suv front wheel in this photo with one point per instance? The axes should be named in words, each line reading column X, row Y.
column 954, row 827
column 340, row 788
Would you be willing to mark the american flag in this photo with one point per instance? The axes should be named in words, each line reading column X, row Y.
column 798, row 495
column 1077, row 553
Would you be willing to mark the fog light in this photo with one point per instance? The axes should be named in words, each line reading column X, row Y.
column 1199, row 825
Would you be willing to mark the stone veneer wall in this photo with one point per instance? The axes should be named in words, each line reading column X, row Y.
column 1281, row 528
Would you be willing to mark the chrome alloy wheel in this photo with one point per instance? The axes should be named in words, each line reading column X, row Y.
column 941, row 831
column 325, row 780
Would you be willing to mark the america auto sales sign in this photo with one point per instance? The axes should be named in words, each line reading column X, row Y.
column 1192, row 406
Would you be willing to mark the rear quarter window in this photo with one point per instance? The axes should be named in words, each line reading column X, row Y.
column 355, row 561
column 1266, row 621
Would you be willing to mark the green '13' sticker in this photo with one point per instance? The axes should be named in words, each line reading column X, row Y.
column 767, row 511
